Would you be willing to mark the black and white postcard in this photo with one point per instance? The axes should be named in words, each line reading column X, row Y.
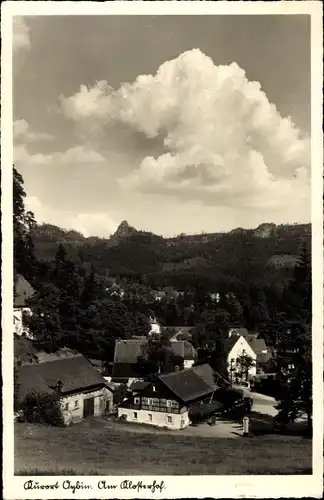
column 162, row 264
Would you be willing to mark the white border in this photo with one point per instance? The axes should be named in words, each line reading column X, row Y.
column 194, row 486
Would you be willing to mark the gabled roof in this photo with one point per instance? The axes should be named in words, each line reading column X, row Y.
column 75, row 374
column 22, row 291
column 258, row 345
column 206, row 373
column 185, row 385
column 230, row 342
column 184, row 349
column 139, row 386
column 127, row 351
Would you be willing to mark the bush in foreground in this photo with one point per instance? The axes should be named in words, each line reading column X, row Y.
column 42, row 408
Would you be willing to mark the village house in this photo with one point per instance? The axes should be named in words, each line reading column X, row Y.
column 166, row 401
column 125, row 369
column 155, row 328
column 179, row 332
column 241, row 343
column 23, row 291
column 81, row 389
column 185, row 350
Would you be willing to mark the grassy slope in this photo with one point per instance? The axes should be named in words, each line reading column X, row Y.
column 97, row 447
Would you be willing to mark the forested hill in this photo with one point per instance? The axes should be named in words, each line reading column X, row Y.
column 214, row 259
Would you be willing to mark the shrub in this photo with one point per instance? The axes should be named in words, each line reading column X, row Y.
column 42, row 408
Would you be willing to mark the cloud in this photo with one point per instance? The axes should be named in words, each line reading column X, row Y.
column 89, row 224
column 76, row 155
column 20, row 34
column 225, row 143
column 22, row 132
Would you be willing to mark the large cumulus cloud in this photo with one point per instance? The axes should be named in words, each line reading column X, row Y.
column 225, row 143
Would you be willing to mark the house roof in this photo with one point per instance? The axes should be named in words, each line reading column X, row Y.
column 230, row 342
column 22, row 291
column 139, row 385
column 206, row 373
column 184, row 349
column 127, row 351
column 177, row 330
column 186, row 385
column 76, row 374
column 258, row 345
column 239, row 331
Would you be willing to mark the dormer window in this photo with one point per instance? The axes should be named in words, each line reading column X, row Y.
column 154, row 388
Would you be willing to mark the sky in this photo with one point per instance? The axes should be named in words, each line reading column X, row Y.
column 177, row 124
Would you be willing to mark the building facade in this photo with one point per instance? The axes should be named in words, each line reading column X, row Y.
column 79, row 387
column 23, row 291
column 166, row 401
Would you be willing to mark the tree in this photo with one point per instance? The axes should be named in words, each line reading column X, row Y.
column 294, row 362
column 294, row 346
column 23, row 223
column 45, row 321
column 244, row 362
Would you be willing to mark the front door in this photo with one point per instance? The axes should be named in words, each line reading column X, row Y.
column 88, row 407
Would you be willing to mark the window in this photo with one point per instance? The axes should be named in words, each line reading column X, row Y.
column 137, row 401
column 135, row 415
column 150, row 417
column 66, row 406
column 169, row 420
column 149, row 402
column 76, row 404
column 154, row 388
column 169, row 402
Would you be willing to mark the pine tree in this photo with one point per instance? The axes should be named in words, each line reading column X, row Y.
column 294, row 346
column 23, row 223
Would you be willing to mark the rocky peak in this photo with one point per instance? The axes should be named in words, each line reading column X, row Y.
column 124, row 230
column 265, row 230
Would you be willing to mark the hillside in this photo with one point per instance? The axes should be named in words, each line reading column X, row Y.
column 216, row 258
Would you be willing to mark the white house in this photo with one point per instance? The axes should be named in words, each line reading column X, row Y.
column 22, row 292
column 155, row 328
column 237, row 346
column 166, row 401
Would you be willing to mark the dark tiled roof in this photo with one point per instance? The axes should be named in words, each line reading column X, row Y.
column 230, row 343
column 184, row 349
column 139, row 386
column 22, row 291
column 127, row 351
column 206, row 373
column 76, row 374
column 186, row 385
column 258, row 345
